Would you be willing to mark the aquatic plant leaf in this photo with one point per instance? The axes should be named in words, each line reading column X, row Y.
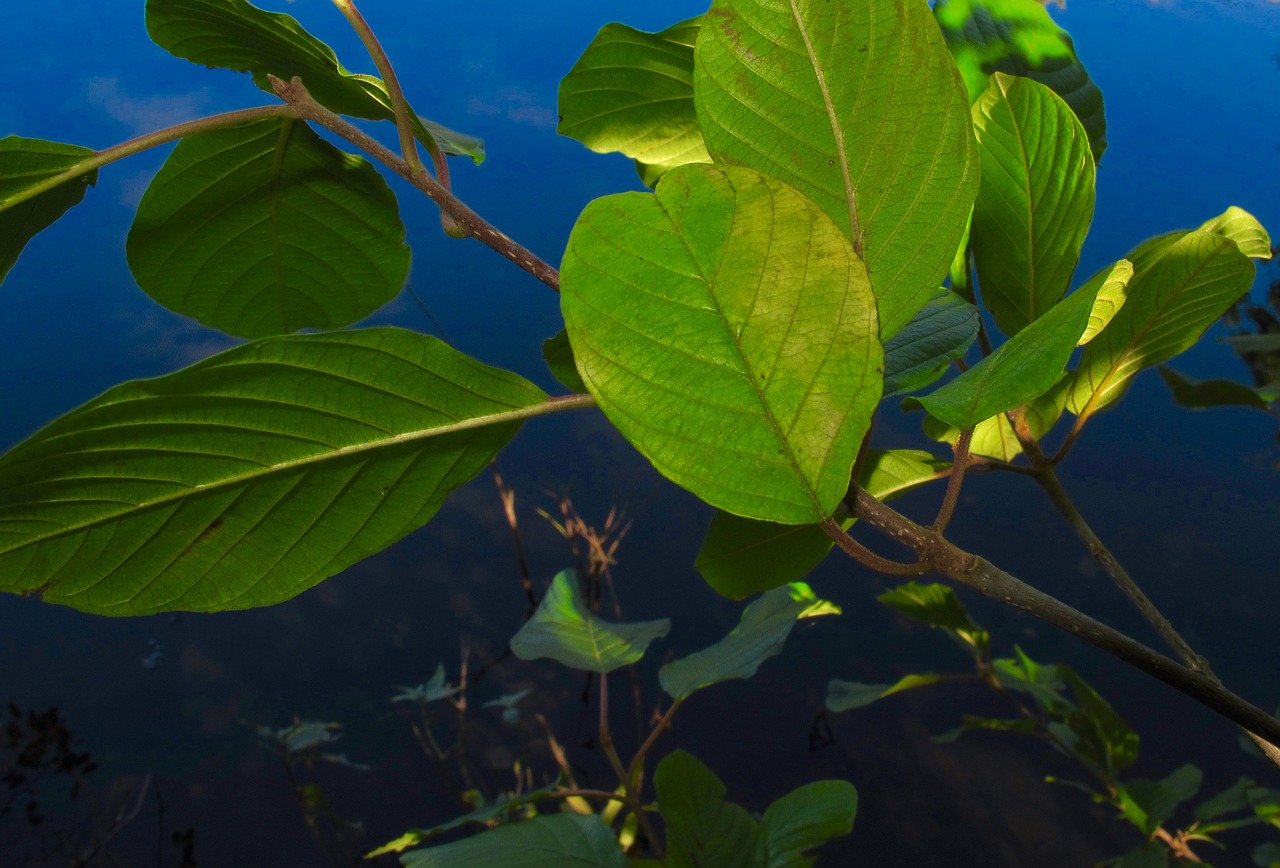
column 760, row 634
column 434, row 690
column 805, row 818
column 1111, row 297
column 847, row 695
column 1019, row 38
column 1025, row 367
column 546, row 841
column 702, row 828
column 235, row 34
column 727, row 329
column 813, row 93
column 565, row 629
column 1182, row 284
column 632, row 92
column 265, row 229
column 1242, row 228
column 558, row 354
column 1148, row 804
column 937, row 606
column 245, row 479
column 941, row 331
column 23, row 164
column 1198, row 395
column 1035, row 201
column 744, row 556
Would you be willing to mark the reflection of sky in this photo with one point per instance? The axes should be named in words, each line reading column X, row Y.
column 1192, row 90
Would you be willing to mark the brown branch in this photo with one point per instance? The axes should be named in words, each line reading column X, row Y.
column 865, row 556
column 958, row 466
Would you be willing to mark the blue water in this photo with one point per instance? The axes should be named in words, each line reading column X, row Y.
column 1187, row 500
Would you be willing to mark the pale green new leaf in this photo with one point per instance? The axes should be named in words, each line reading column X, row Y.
column 546, row 841
column 803, row 819
column 942, row 330
column 23, row 164
column 1035, row 201
column 727, row 329
column 565, row 629
column 764, row 627
column 1019, row 38
column 1182, row 284
column 703, row 830
column 1242, row 228
column 994, row 437
column 235, row 34
column 1111, row 297
column 847, row 695
column 632, row 92
column 265, row 229
column 859, row 106
column 247, row 478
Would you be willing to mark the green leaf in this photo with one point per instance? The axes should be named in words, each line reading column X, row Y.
column 1152, row 854
column 764, row 627
column 937, row 606
column 727, row 329
column 1119, row 748
column 547, row 841
column 1198, row 395
column 1242, row 228
column 1148, row 804
column 435, row 689
column 234, row 34
column 565, row 629
column 23, row 164
column 811, row 93
column 744, row 556
column 1267, row 855
column 1035, row 201
column 994, row 437
column 973, row 723
column 1027, row 366
column 703, row 830
column 847, row 695
column 1044, row 684
column 264, row 229
column 558, row 355
column 805, row 818
column 632, row 92
column 1266, row 342
column 1111, row 297
column 1182, row 283
column 1019, row 38
column 921, row 352
column 1234, row 798
column 251, row 476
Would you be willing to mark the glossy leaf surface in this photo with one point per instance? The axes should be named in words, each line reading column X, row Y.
column 265, row 229
column 565, row 629
column 858, row 106
column 803, row 819
column 249, row 477
column 848, row 695
column 235, row 34
column 764, row 627
column 1035, row 201
column 632, row 92
column 728, row 330
column 546, row 841
column 24, row 163
column 921, row 352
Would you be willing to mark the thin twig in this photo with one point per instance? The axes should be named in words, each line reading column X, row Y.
column 958, row 466
column 865, row 556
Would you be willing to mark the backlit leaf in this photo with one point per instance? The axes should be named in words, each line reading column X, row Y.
column 937, row 606
column 858, row 106
column 249, row 477
column 1111, row 297
column 921, row 352
column 847, row 695
column 1242, row 228
column 994, row 437
column 24, row 163
column 727, row 329
column 546, row 841
column 265, row 229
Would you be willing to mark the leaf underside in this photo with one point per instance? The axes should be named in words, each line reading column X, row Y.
column 24, row 163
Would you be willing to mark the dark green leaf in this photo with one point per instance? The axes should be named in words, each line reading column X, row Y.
column 972, row 723
column 23, row 164
column 1148, row 804
column 632, row 92
column 847, row 695
column 805, row 818
column 1019, row 38
column 703, row 830
column 1035, row 201
column 565, row 629
column 1213, row 393
column 810, row 93
column 249, row 477
column 1104, row 737
column 558, row 355
column 1233, row 798
column 1267, row 855
column 727, row 329
column 941, row 331
column 266, row 229
column 1152, row 854
column 937, row 606
column 547, row 841
column 764, row 627
column 234, row 34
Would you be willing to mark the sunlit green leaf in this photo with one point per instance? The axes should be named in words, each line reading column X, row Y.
column 249, row 477
column 1182, row 284
column 921, row 352
column 937, row 606
column 703, row 830
column 811, row 94
column 24, row 163
column 994, row 437
column 266, row 229
column 546, row 841
column 1148, row 804
column 727, row 296
column 847, row 695
column 803, row 819
column 760, row 634
column 565, row 629
column 235, row 34
column 1214, row 393
column 1111, row 297
column 1035, row 201
column 1019, row 38
column 1242, row 228
column 744, row 556
column 558, row 355
column 632, row 92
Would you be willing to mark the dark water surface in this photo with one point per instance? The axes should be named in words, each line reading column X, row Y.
column 1186, row 500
